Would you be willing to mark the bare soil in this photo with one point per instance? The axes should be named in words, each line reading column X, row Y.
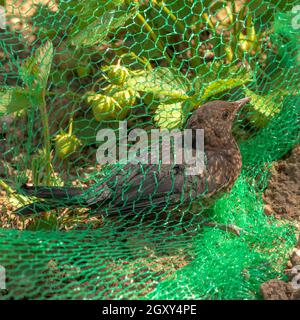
column 282, row 199
column 283, row 193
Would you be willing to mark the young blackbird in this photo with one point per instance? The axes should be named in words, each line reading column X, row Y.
column 141, row 188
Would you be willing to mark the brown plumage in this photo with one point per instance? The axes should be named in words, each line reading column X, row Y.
column 147, row 188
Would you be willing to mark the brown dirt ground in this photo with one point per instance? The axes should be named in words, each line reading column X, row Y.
column 282, row 199
column 283, row 193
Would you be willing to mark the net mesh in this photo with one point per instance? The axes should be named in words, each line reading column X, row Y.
column 69, row 69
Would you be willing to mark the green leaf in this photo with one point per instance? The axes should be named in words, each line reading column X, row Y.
column 14, row 99
column 44, row 56
column 264, row 107
column 167, row 83
column 83, row 11
column 217, row 87
column 38, row 166
column 169, row 116
column 264, row 10
column 222, row 85
column 104, row 107
column 97, row 31
column 207, row 73
column 36, row 69
column 29, row 71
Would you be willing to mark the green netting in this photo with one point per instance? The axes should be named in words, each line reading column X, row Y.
column 69, row 69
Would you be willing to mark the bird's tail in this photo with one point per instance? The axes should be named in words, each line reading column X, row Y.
column 55, row 193
column 55, row 198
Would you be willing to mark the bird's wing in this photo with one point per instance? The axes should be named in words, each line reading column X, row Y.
column 139, row 183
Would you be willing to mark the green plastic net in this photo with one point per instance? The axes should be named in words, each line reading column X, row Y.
column 69, row 69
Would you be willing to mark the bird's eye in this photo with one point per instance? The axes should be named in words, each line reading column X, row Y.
column 225, row 115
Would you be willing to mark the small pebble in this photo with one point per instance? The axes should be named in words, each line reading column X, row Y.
column 268, row 210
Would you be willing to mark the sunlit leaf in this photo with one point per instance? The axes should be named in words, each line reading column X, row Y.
column 263, row 107
column 44, row 56
column 13, row 99
column 208, row 73
column 97, row 31
column 222, row 85
column 36, row 69
column 94, row 8
column 164, row 82
column 169, row 116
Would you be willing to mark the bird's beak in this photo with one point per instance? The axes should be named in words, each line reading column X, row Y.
column 240, row 103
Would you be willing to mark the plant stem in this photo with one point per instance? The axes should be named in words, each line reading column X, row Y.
column 142, row 60
column 237, row 26
column 70, row 132
column 208, row 21
column 180, row 26
column 45, row 121
column 196, row 42
column 142, row 21
column 96, row 82
column 234, row 41
column 230, row 16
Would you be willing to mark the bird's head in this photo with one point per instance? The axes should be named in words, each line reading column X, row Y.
column 216, row 118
